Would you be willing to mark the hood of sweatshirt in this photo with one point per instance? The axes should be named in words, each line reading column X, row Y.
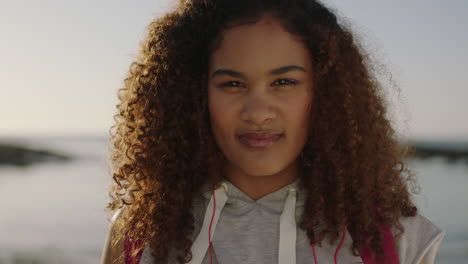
column 238, row 210
column 273, row 201
column 242, row 230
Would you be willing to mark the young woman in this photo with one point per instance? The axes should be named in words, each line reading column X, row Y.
column 254, row 131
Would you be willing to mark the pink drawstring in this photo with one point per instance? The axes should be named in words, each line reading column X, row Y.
column 341, row 242
column 209, row 230
column 337, row 249
column 313, row 251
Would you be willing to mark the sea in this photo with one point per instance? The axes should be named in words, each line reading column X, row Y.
column 54, row 212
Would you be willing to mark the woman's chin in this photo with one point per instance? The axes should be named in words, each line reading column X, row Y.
column 258, row 171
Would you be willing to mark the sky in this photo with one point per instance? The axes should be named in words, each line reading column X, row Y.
column 62, row 62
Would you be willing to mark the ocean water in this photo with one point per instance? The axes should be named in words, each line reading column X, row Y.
column 54, row 212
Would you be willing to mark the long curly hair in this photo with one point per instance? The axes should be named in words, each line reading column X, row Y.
column 163, row 149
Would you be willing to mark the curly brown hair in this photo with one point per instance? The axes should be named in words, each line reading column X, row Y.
column 163, row 149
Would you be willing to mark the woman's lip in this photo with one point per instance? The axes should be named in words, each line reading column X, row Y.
column 260, row 135
column 259, row 142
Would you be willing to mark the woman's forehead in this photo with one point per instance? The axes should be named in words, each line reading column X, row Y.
column 260, row 47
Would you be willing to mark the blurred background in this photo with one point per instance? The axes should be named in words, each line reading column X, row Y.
column 61, row 63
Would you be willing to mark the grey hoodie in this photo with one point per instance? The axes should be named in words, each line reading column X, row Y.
column 263, row 231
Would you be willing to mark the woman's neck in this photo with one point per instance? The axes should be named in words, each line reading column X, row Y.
column 260, row 185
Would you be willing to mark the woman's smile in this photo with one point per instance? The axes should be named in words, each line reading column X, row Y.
column 259, row 142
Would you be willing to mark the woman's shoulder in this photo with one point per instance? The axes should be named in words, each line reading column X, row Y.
column 117, row 214
column 112, row 254
column 420, row 240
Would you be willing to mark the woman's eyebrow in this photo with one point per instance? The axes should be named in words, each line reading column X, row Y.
column 237, row 74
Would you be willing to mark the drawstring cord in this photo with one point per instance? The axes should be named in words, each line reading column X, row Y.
column 313, row 251
column 209, row 230
column 339, row 245
column 203, row 241
column 337, row 249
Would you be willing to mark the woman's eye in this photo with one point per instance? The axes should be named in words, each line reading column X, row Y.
column 230, row 84
column 286, row 82
column 236, row 84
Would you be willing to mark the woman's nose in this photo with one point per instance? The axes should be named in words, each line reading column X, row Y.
column 257, row 110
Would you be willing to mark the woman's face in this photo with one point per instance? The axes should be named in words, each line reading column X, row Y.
column 260, row 94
